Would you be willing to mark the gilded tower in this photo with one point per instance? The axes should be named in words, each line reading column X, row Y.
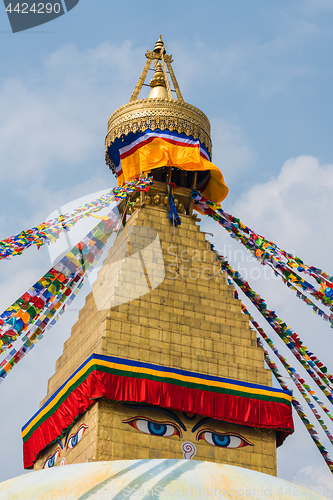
column 161, row 362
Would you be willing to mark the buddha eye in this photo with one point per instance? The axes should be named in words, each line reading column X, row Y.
column 223, row 440
column 51, row 460
column 153, row 427
column 75, row 438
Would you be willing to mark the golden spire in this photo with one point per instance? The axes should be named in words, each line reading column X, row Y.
column 162, row 61
column 158, row 85
column 160, row 110
column 159, row 45
column 158, row 78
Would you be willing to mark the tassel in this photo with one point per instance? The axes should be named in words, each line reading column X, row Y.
column 173, row 215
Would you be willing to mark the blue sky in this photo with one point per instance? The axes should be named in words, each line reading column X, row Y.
column 262, row 73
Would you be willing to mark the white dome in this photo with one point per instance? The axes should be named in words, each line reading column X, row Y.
column 151, row 480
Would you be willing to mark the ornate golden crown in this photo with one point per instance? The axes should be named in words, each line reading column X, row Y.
column 160, row 110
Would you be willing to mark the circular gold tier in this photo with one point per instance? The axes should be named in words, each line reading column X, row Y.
column 152, row 114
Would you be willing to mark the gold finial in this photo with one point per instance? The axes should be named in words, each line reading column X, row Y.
column 158, row 55
column 158, row 78
column 158, row 84
column 159, row 45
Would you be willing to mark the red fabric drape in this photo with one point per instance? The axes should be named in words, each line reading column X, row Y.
column 230, row 408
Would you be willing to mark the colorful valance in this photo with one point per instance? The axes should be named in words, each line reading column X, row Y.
column 127, row 380
column 145, row 151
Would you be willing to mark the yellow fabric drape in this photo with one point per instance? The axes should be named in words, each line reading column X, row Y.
column 159, row 153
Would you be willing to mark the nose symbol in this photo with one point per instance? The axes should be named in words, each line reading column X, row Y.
column 189, row 450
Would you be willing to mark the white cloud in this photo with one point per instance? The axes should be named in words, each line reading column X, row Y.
column 316, row 480
column 294, row 209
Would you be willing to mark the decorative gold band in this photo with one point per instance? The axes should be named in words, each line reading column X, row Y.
column 164, row 114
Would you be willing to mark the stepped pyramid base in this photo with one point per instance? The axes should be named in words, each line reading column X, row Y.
column 161, row 298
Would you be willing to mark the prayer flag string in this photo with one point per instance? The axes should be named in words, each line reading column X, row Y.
column 298, row 381
column 300, row 412
column 40, row 307
column 316, row 370
column 267, row 252
column 49, row 318
column 305, row 299
column 49, row 231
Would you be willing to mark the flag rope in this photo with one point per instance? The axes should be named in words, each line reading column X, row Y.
column 298, row 381
column 268, row 253
column 300, row 412
column 48, row 232
column 41, row 306
column 290, row 338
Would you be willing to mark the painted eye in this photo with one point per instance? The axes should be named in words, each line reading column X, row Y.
column 153, row 427
column 74, row 439
column 223, row 440
column 51, row 460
